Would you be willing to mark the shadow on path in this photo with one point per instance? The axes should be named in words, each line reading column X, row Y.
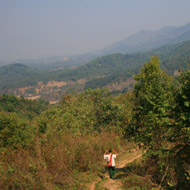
column 123, row 172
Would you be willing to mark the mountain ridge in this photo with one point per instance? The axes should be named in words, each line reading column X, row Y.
column 113, row 71
column 141, row 41
column 145, row 40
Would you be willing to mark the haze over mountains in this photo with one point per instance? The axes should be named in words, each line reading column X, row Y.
column 111, row 67
column 141, row 41
column 113, row 71
column 146, row 40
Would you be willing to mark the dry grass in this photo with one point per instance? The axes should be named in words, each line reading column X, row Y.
column 54, row 161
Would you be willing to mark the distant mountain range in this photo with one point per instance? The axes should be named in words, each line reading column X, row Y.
column 139, row 42
column 113, row 71
column 111, row 67
column 146, row 40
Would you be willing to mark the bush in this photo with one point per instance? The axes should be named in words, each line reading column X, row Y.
column 13, row 131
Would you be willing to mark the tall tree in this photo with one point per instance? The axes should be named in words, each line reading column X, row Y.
column 182, row 132
column 153, row 97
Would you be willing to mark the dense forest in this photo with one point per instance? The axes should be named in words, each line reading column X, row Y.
column 18, row 75
column 118, row 68
column 53, row 147
column 98, row 73
column 24, row 108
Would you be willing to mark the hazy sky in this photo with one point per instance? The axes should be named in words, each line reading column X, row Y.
column 37, row 28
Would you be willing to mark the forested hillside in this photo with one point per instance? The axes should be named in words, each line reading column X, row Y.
column 99, row 73
column 18, row 75
column 39, row 151
column 172, row 58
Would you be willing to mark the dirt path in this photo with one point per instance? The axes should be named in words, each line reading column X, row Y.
column 110, row 184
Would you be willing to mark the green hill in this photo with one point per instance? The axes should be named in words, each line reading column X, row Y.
column 119, row 63
column 172, row 58
column 18, row 75
column 102, row 71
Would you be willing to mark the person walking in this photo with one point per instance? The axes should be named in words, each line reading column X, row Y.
column 110, row 156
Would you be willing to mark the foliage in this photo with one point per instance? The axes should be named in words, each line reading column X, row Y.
column 152, row 117
column 182, row 131
column 48, row 144
column 18, row 75
column 160, row 122
column 93, row 110
column 183, row 109
column 50, row 147
column 23, row 107
column 153, row 104
column 13, row 131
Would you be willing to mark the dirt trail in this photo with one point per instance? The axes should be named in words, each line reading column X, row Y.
column 116, row 184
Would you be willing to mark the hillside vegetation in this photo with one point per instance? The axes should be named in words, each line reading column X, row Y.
column 99, row 73
column 18, row 75
column 55, row 148
column 24, row 108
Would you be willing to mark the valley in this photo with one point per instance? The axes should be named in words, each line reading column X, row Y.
column 52, row 91
column 95, row 95
column 114, row 72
